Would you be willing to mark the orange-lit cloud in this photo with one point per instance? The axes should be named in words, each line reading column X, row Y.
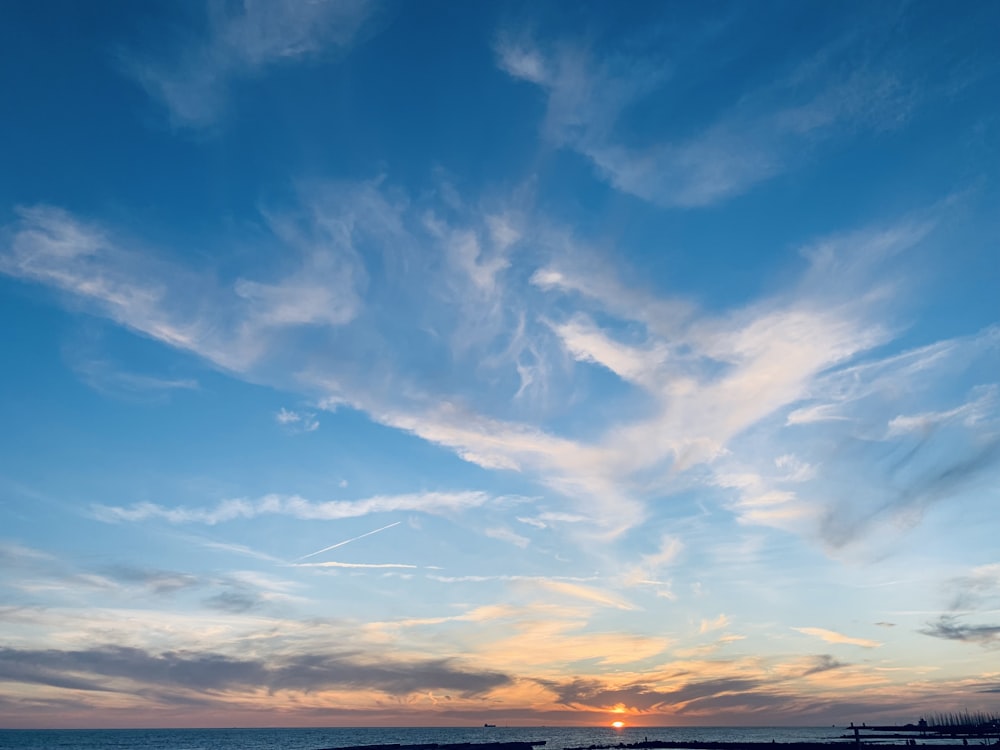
column 831, row 636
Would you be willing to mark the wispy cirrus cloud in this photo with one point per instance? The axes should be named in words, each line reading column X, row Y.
column 832, row 636
column 910, row 474
column 109, row 379
column 295, row 507
column 978, row 589
column 506, row 535
column 718, row 623
column 590, row 594
column 652, row 565
column 159, row 581
column 360, row 566
column 763, row 131
column 66, row 581
column 978, row 408
column 297, row 421
column 171, row 303
column 27, row 570
column 530, row 579
column 241, row 40
column 837, row 394
column 951, row 628
column 692, row 383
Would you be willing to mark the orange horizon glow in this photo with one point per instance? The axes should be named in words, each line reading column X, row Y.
column 617, row 724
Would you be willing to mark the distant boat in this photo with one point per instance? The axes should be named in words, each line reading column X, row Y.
column 489, row 725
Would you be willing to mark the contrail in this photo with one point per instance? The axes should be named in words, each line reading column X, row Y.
column 346, row 541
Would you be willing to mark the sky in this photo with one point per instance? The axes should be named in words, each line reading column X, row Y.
column 438, row 363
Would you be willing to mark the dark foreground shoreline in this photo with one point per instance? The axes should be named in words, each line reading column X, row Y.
column 659, row 745
column 708, row 745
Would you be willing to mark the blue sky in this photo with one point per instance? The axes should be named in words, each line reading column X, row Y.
column 376, row 363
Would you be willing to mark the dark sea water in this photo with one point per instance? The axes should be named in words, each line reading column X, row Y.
column 556, row 738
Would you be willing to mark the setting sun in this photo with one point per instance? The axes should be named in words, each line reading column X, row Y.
column 617, row 724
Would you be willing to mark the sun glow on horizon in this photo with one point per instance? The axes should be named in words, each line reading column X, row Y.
column 617, row 724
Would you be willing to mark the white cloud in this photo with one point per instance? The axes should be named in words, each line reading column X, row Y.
column 549, row 519
column 812, row 414
column 105, row 377
column 514, row 578
column 718, row 623
column 506, row 535
column 480, row 259
column 284, row 416
column 586, row 593
column 361, row 566
column 242, row 39
column 652, row 564
column 587, row 343
column 670, row 548
column 570, row 467
column 297, row 301
column 296, row 507
column 693, row 383
column 762, row 133
column 715, row 378
column 795, row 469
column 51, row 246
column 575, row 271
column 969, row 414
column 229, row 325
column 522, row 61
column 847, row 387
column 914, row 456
column 298, row 421
column 764, row 498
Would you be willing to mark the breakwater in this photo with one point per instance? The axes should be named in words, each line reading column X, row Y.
column 648, row 744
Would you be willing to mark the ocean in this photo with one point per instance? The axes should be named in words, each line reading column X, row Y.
column 556, row 738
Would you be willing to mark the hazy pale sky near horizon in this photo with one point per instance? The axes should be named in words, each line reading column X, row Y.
column 433, row 363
